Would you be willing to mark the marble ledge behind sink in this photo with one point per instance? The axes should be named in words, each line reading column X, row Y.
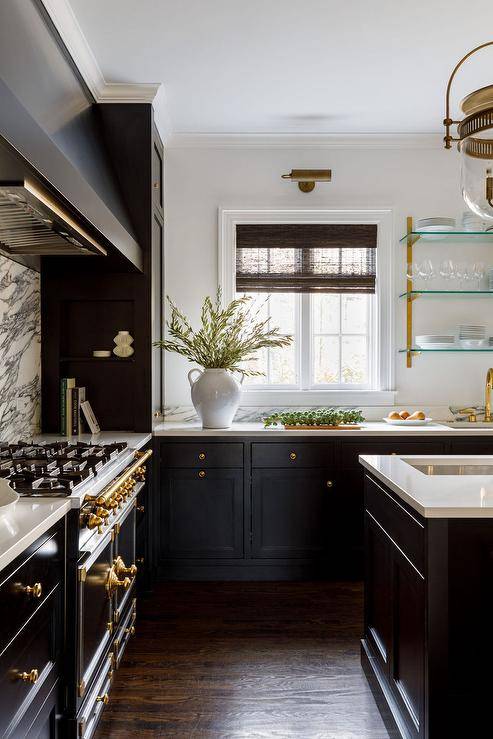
column 255, row 414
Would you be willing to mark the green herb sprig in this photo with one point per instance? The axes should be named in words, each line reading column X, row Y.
column 317, row 417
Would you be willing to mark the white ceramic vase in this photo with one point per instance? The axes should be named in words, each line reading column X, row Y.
column 123, row 341
column 215, row 396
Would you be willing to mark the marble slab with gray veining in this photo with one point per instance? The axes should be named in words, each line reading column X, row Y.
column 20, row 351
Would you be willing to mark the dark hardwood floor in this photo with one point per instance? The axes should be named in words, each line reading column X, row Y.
column 245, row 660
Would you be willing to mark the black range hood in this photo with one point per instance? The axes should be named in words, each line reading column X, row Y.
column 33, row 223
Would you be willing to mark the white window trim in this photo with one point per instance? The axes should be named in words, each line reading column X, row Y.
column 384, row 325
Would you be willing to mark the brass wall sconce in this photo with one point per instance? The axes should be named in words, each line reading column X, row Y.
column 306, row 178
column 474, row 141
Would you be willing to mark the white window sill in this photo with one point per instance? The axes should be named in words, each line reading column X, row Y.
column 364, row 398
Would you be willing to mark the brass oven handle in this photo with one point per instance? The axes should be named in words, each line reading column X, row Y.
column 104, row 699
column 122, row 569
column 105, row 497
column 28, row 677
column 113, row 582
column 35, row 591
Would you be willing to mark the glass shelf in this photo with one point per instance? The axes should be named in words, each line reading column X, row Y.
column 437, row 237
column 481, row 293
column 442, row 351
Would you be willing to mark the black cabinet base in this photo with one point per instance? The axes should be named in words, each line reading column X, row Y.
column 258, row 571
column 389, row 710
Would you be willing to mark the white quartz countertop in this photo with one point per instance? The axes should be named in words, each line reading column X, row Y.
column 31, row 519
column 33, row 516
column 368, row 428
column 439, row 496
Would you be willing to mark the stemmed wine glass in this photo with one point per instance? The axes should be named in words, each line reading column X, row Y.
column 478, row 271
column 447, row 270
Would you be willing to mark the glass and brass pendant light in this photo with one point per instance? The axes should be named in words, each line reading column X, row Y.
column 475, row 143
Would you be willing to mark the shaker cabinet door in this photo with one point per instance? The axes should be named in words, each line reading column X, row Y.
column 291, row 513
column 202, row 513
column 378, row 583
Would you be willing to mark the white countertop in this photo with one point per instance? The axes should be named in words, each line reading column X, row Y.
column 33, row 516
column 440, row 496
column 368, row 428
column 30, row 519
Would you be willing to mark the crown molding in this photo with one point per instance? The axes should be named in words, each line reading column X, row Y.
column 67, row 25
column 304, row 141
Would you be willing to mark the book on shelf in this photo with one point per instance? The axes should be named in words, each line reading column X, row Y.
column 66, row 386
column 90, row 417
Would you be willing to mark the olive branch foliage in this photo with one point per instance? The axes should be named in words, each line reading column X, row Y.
column 227, row 335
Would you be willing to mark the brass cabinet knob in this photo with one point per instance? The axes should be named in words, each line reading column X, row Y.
column 330, row 483
column 140, row 508
column 130, row 630
column 35, row 591
column 28, row 677
column 113, row 582
column 201, row 474
column 122, row 569
column 202, row 456
column 292, row 456
column 155, row 185
column 104, row 699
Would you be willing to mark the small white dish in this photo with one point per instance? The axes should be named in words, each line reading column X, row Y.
column 407, row 422
column 8, row 498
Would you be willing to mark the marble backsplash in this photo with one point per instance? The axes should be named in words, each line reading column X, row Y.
column 20, row 351
column 253, row 414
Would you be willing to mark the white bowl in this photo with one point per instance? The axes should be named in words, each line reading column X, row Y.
column 8, row 498
column 408, row 422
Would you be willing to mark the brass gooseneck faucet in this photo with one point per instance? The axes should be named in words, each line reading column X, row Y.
column 487, row 397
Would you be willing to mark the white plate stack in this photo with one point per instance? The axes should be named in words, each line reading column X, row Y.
column 473, row 222
column 490, row 279
column 427, row 226
column 472, row 337
column 435, row 341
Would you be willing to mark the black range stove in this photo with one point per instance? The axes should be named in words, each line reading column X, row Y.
column 54, row 468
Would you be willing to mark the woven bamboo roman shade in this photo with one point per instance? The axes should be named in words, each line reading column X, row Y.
column 306, row 257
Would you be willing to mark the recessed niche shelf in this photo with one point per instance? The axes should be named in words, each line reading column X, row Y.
column 118, row 360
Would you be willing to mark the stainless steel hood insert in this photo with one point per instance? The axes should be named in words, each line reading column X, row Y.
column 32, row 222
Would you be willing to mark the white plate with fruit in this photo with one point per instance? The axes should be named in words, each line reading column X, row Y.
column 404, row 418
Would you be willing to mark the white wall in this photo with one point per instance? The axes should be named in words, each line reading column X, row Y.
column 417, row 182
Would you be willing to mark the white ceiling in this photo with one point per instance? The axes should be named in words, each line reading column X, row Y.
column 293, row 66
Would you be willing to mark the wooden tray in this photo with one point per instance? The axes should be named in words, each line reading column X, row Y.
column 346, row 427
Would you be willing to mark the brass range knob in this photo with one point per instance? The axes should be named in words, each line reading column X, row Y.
column 28, row 677
column 122, row 569
column 35, row 591
column 104, row 699
column 140, row 474
column 94, row 522
column 130, row 630
column 113, row 582
column 102, row 513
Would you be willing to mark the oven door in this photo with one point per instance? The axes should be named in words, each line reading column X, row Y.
column 95, row 609
column 125, row 558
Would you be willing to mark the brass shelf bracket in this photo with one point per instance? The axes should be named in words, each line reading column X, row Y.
column 410, row 241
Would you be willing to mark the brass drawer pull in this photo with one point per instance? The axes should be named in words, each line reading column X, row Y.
column 35, row 591
column 104, row 699
column 292, row 456
column 201, row 474
column 329, row 484
column 28, row 677
column 202, row 456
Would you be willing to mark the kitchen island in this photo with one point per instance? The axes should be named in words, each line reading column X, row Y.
column 427, row 648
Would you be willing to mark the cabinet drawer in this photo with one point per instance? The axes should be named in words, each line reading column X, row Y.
column 40, row 572
column 351, row 450
column 33, row 649
column 202, row 455
column 403, row 527
column 294, row 454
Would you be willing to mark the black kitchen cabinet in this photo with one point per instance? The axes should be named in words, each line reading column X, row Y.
column 291, row 513
column 202, row 513
column 378, row 584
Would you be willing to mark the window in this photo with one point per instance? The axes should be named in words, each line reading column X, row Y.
column 330, row 291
